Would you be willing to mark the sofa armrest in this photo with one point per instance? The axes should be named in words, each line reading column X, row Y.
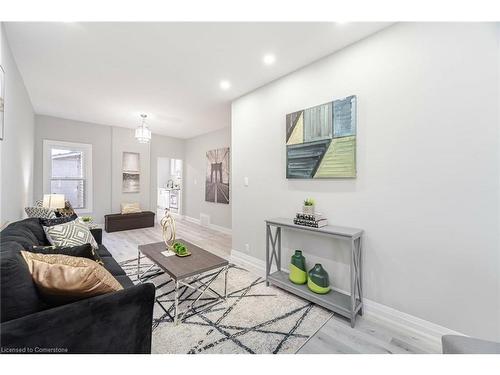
column 97, row 234
column 118, row 322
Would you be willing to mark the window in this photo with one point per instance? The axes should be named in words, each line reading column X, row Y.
column 68, row 171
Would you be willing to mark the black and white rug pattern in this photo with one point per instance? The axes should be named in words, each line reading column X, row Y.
column 255, row 319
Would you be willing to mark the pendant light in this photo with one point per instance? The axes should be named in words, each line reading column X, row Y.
column 142, row 133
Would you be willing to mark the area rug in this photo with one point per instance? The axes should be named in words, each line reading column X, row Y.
column 255, row 319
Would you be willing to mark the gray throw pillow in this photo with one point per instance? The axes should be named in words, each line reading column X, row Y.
column 73, row 233
column 40, row 212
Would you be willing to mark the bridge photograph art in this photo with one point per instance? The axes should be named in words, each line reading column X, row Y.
column 217, row 178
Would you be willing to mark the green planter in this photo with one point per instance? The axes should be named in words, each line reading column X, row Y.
column 298, row 274
column 318, row 280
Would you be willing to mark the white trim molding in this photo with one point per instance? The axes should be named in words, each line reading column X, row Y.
column 413, row 326
column 210, row 226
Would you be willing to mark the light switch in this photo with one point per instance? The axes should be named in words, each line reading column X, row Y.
column 245, row 181
column 195, row 181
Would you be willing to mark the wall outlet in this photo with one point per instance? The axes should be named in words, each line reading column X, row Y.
column 247, row 248
column 245, row 181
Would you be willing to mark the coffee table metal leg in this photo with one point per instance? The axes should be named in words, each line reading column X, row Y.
column 225, row 283
column 138, row 265
column 176, row 316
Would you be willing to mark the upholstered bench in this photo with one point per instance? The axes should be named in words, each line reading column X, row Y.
column 117, row 222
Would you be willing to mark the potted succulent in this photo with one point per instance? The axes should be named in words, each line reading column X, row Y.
column 308, row 207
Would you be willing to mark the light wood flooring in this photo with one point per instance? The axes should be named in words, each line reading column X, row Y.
column 335, row 337
column 367, row 337
column 123, row 245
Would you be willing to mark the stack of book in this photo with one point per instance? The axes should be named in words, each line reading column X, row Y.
column 310, row 220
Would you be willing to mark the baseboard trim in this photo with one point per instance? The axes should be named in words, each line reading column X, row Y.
column 211, row 226
column 416, row 327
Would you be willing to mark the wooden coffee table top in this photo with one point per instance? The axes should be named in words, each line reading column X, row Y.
column 181, row 267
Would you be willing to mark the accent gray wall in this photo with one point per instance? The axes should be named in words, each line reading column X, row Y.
column 428, row 170
column 195, row 167
column 99, row 136
column 108, row 144
column 16, row 149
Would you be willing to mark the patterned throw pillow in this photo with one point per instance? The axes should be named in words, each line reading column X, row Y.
column 57, row 220
column 60, row 212
column 40, row 212
column 73, row 233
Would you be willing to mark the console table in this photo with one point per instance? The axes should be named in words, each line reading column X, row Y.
column 346, row 305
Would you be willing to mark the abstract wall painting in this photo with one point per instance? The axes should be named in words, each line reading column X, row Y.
column 217, row 176
column 321, row 141
column 131, row 172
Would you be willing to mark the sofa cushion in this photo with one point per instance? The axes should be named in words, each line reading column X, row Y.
column 19, row 296
column 112, row 266
column 103, row 252
column 124, row 281
column 82, row 251
column 27, row 232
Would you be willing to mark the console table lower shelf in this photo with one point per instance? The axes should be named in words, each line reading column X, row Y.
column 337, row 302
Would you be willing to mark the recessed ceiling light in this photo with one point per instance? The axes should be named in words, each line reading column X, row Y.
column 269, row 59
column 225, row 84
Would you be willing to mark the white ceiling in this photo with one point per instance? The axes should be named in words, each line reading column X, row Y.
column 109, row 73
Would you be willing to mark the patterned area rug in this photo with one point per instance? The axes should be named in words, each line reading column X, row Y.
column 254, row 319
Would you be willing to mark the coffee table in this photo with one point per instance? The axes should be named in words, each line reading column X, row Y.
column 182, row 268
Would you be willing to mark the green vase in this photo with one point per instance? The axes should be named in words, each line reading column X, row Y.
column 298, row 274
column 318, row 280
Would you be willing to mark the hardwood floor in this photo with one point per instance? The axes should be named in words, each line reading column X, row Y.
column 367, row 337
column 123, row 245
column 335, row 337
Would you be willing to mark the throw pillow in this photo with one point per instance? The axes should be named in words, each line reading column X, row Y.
column 62, row 278
column 40, row 212
column 70, row 234
column 82, row 251
column 130, row 208
column 57, row 220
column 66, row 211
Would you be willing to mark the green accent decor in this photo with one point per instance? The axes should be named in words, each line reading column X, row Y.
column 298, row 274
column 318, row 280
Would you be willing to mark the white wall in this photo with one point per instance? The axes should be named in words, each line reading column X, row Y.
column 195, row 167
column 17, row 147
column 428, row 178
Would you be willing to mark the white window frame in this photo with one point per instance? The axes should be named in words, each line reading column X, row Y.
column 86, row 148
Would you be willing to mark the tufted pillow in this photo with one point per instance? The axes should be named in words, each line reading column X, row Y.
column 70, row 234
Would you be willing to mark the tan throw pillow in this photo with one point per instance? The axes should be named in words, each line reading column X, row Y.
column 130, row 208
column 64, row 278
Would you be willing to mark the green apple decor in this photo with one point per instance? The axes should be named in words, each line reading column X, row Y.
column 298, row 274
column 180, row 249
column 318, row 280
